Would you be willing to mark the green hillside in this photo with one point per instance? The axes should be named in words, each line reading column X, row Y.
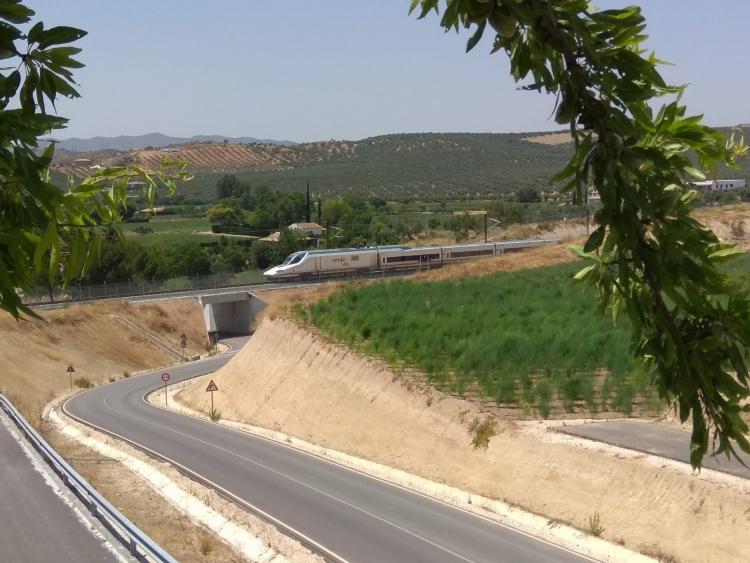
column 418, row 166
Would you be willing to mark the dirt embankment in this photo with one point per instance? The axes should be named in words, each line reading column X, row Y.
column 35, row 353
column 532, row 258
column 292, row 380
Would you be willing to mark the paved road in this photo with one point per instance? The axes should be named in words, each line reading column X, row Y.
column 355, row 517
column 654, row 439
column 35, row 524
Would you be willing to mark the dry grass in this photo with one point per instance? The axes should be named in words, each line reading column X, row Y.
column 720, row 219
column 170, row 319
column 174, row 531
column 281, row 300
column 550, row 139
column 532, row 258
column 35, row 353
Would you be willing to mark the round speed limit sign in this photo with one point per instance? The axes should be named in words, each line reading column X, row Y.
column 165, row 377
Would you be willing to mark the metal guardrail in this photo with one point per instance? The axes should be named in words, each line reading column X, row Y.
column 155, row 340
column 135, row 540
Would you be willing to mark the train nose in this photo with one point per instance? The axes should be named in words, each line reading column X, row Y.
column 271, row 273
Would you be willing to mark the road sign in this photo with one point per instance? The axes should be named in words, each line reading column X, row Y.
column 165, row 378
column 212, row 387
column 70, row 371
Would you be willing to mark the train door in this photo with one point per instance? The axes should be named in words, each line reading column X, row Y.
column 317, row 265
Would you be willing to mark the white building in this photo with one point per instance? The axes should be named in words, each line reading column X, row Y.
column 719, row 185
column 311, row 229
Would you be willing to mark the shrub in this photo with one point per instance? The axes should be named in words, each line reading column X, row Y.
column 738, row 229
column 595, row 525
column 214, row 415
column 206, row 546
column 482, row 432
column 83, row 383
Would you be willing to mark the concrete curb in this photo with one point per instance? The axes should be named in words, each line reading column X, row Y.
column 243, row 541
column 560, row 535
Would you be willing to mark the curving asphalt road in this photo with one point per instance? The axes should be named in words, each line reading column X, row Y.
column 657, row 440
column 343, row 513
column 36, row 524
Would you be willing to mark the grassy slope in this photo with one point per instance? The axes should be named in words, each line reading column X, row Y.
column 517, row 337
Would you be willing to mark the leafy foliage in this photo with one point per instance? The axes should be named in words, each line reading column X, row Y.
column 691, row 323
column 44, row 227
column 518, row 337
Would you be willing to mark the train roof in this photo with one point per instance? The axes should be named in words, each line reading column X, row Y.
column 425, row 248
column 363, row 249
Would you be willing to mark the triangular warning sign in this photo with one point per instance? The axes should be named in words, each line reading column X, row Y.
column 212, row 386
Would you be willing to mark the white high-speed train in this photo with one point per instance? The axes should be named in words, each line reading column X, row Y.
column 306, row 263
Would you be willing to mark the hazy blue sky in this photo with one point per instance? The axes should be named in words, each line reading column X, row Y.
column 346, row 69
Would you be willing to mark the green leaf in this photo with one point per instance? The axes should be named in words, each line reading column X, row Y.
column 59, row 35
column 724, row 253
column 585, row 273
column 14, row 11
column 595, row 240
column 475, row 38
column 694, row 172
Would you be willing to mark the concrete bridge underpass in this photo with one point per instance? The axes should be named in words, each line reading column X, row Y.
column 230, row 313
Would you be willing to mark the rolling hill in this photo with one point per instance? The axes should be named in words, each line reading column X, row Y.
column 398, row 166
column 129, row 142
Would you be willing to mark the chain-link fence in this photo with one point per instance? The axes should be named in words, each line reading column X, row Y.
column 78, row 292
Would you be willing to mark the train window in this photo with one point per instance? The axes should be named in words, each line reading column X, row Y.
column 296, row 258
column 414, row 258
column 469, row 253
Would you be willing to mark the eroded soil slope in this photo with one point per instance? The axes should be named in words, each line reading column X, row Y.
column 34, row 353
column 291, row 380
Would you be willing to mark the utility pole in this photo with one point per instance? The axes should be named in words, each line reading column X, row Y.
column 308, row 216
column 485, row 226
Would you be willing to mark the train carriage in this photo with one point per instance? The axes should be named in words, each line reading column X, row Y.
column 306, row 263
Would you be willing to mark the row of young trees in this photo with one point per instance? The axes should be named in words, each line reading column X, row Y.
column 123, row 260
column 351, row 220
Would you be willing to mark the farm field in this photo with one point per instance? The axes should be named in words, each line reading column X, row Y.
column 168, row 230
column 530, row 338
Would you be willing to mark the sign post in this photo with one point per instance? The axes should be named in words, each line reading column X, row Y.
column 211, row 388
column 165, row 378
column 71, row 371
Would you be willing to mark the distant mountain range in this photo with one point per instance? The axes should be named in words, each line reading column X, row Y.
column 128, row 142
